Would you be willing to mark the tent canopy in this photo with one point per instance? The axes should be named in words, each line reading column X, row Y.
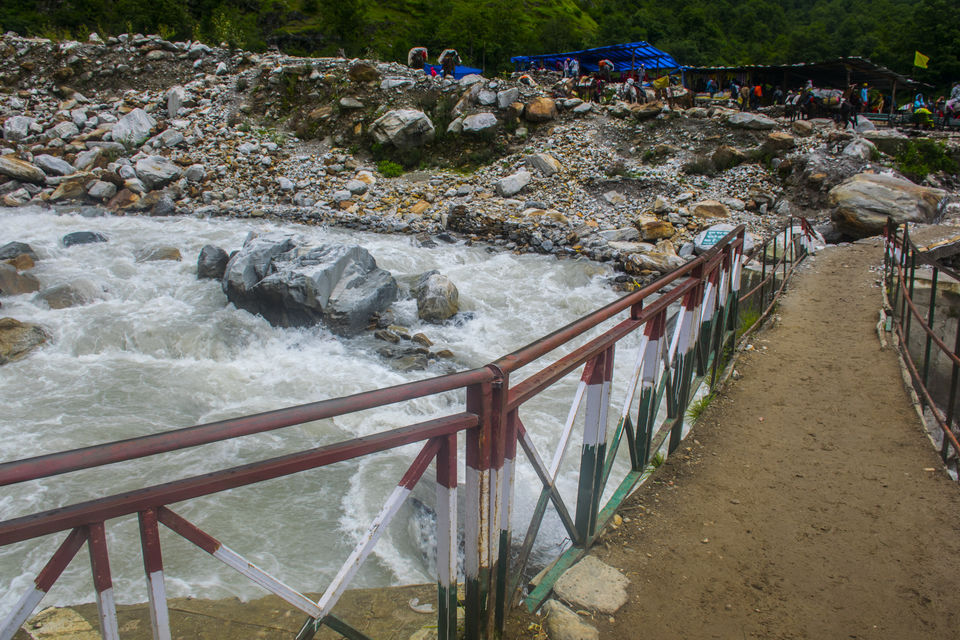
column 632, row 55
column 458, row 71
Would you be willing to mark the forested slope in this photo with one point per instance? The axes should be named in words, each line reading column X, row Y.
column 487, row 33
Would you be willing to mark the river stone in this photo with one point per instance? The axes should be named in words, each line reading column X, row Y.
column 656, row 230
column 17, row 339
column 21, row 170
column 101, row 190
column 864, row 202
column 363, row 72
column 350, row 103
column 338, row 285
column 66, row 130
column 479, row 123
column 591, row 584
column 17, row 128
column 888, row 141
column 437, row 297
column 563, row 623
column 133, row 129
column 511, row 185
column 52, row 165
column 79, row 292
column 545, row 163
column 540, row 110
column 747, row 120
column 13, row 283
column 155, row 254
column 212, row 262
column 861, row 148
column 403, row 128
column 156, row 171
column 13, row 250
column 175, row 97
column 507, row 97
column 709, row 209
column 82, row 237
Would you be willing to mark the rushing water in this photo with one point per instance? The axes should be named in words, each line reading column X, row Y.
column 159, row 349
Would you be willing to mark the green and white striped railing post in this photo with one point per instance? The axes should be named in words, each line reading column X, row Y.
column 592, row 455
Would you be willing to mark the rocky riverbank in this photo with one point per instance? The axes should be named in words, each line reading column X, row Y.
column 140, row 125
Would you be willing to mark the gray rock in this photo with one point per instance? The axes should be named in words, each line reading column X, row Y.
column 356, row 187
column 212, row 262
column 79, row 117
column 890, row 142
column 73, row 294
column 13, row 249
column 583, row 109
column 350, row 103
column 626, row 234
column 164, row 207
column 340, row 286
column 170, row 138
column 286, row 184
column 156, row 171
column 17, row 339
column 437, row 297
column 396, row 83
column 403, row 128
column 486, row 98
column 221, row 69
column 101, row 190
column 133, row 129
column 563, row 623
column 66, row 130
column 82, row 237
column 507, row 97
column 341, row 195
column 470, row 80
column 195, row 172
column 863, row 203
column 248, row 147
column 747, row 120
column 175, row 97
column 21, row 170
column 860, row 148
column 53, row 166
column 513, row 184
column 17, row 128
column 591, row 584
column 479, row 123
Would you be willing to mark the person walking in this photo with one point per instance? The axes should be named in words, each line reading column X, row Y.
column 449, row 60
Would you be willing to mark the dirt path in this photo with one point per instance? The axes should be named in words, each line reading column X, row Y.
column 807, row 502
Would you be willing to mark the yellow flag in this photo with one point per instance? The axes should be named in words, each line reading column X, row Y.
column 920, row 60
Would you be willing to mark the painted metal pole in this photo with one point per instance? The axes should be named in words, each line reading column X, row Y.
column 477, row 527
column 952, row 399
column 447, row 539
column 43, row 582
column 593, row 452
column 509, row 437
column 931, row 310
column 153, row 567
column 102, row 582
column 647, row 407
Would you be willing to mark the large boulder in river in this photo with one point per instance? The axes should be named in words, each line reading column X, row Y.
column 291, row 286
column 17, row 339
column 212, row 262
column 13, row 250
column 12, row 282
column 437, row 297
column 403, row 128
column 865, row 202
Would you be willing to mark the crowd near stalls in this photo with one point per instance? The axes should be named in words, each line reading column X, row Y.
column 634, row 72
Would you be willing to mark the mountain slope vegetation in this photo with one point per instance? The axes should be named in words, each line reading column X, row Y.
column 488, row 32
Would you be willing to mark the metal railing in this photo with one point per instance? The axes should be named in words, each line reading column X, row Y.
column 906, row 318
column 700, row 301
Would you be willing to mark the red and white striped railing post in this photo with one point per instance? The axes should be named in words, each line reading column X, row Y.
column 153, row 566
column 598, row 379
column 649, row 382
column 447, row 539
column 43, row 582
column 477, row 525
column 102, row 582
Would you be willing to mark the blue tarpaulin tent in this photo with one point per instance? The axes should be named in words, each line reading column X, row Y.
column 625, row 57
column 458, row 71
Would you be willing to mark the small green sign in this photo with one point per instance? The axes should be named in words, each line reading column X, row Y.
column 713, row 236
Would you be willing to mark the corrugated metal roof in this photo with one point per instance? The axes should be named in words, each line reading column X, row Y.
column 624, row 56
column 835, row 71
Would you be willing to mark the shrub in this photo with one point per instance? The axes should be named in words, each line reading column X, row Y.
column 924, row 156
column 389, row 169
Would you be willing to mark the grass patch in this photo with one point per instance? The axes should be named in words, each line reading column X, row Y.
column 748, row 318
column 697, row 407
column 390, row 169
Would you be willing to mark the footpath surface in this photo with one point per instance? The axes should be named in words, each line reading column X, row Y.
column 807, row 502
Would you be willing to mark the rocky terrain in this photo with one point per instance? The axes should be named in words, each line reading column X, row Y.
column 140, row 125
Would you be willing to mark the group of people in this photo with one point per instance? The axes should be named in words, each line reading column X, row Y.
column 943, row 108
column 448, row 61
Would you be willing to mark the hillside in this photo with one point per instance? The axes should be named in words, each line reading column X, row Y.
column 696, row 32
